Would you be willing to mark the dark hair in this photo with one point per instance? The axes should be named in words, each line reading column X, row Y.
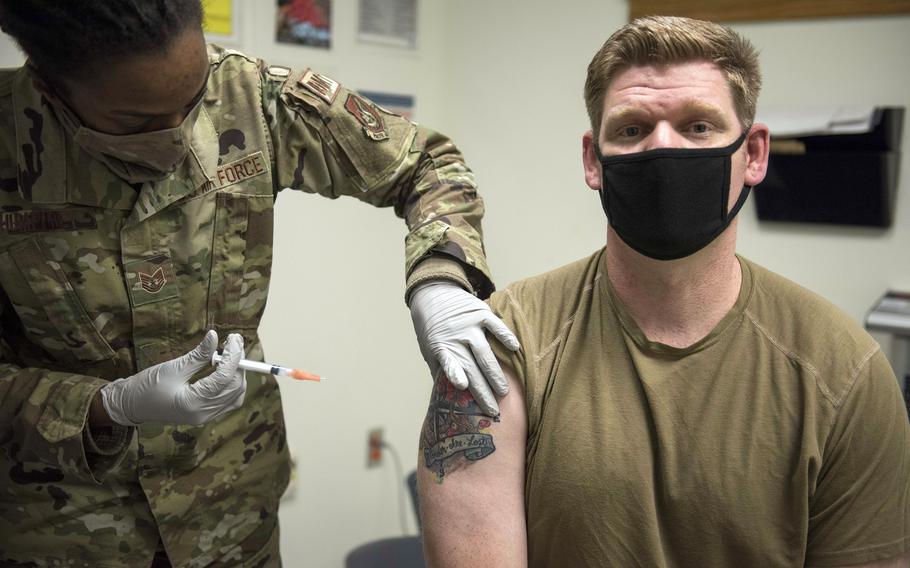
column 68, row 38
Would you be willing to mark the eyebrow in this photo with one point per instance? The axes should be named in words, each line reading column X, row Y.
column 689, row 107
column 697, row 107
column 196, row 98
column 623, row 113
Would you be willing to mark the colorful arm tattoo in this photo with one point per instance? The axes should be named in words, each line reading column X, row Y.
column 455, row 431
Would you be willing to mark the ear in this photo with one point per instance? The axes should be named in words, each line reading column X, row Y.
column 592, row 166
column 758, row 144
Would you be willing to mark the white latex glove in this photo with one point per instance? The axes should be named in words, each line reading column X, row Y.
column 450, row 324
column 162, row 393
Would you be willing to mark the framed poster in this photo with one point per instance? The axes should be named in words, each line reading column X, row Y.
column 304, row 22
column 220, row 21
column 388, row 22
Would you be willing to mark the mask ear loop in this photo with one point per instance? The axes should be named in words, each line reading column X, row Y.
column 604, row 196
column 744, row 194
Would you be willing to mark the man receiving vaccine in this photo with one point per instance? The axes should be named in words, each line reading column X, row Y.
column 673, row 403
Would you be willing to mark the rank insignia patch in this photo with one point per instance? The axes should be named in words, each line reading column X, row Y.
column 320, row 85
column 152, row 283
column 151, row 279
column 368, row 117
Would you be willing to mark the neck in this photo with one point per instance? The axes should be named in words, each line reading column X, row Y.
column 676, row 302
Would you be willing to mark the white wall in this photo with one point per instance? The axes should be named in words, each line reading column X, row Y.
column 504, row 79
column 515, row 108
column 10, row 56
column 336, row 307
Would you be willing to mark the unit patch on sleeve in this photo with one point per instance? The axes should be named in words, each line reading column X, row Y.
column 278, row 71
column 320, row 85
column 368, row 117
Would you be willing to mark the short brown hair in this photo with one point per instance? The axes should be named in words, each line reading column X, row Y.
column 667, row 39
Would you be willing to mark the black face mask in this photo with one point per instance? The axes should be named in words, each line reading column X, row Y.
column 669, row 203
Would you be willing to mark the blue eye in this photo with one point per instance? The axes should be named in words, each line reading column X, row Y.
column 631, row 131
column 700, row 128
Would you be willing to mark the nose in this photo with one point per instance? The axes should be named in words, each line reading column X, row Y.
column 664, row 136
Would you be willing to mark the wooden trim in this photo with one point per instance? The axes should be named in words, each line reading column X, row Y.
column 744, row 10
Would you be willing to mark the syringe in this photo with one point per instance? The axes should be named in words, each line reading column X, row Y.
column 258, row 367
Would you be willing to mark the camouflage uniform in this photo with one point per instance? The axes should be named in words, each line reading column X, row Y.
column 101, row 279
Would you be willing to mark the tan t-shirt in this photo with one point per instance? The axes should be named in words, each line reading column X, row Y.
column 780, row 439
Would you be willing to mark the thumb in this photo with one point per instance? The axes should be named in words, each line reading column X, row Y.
column 453, row 370
column 226, row 373
column 230, row 357
column 201, row 355
column 206, row 347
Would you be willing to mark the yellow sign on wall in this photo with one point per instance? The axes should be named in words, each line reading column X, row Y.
column 219, row 17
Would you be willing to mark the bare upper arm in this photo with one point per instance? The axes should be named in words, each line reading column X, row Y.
column 470, row 478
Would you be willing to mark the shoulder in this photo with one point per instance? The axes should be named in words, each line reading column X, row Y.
column 222, row 56
column 810, row 330
column 533, row 291
column 315, row 90
column 373, row 141
column 544, row 303
column 232, row 71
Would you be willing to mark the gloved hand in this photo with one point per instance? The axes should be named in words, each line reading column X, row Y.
column 450, row 324
column 162, row 394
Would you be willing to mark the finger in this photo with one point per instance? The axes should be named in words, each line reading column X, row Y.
column 206, row 347
column 452, row 368
column 489, row 368
column 501, row 331
column 228, row 379
column 231, row 355
column 238, row 402
column 234, row 348
column 201, row 355
column 206, row 408
column 213, row 390
column 482, row 393
column 227, row 370
column 226, row 402
column 208, row 344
